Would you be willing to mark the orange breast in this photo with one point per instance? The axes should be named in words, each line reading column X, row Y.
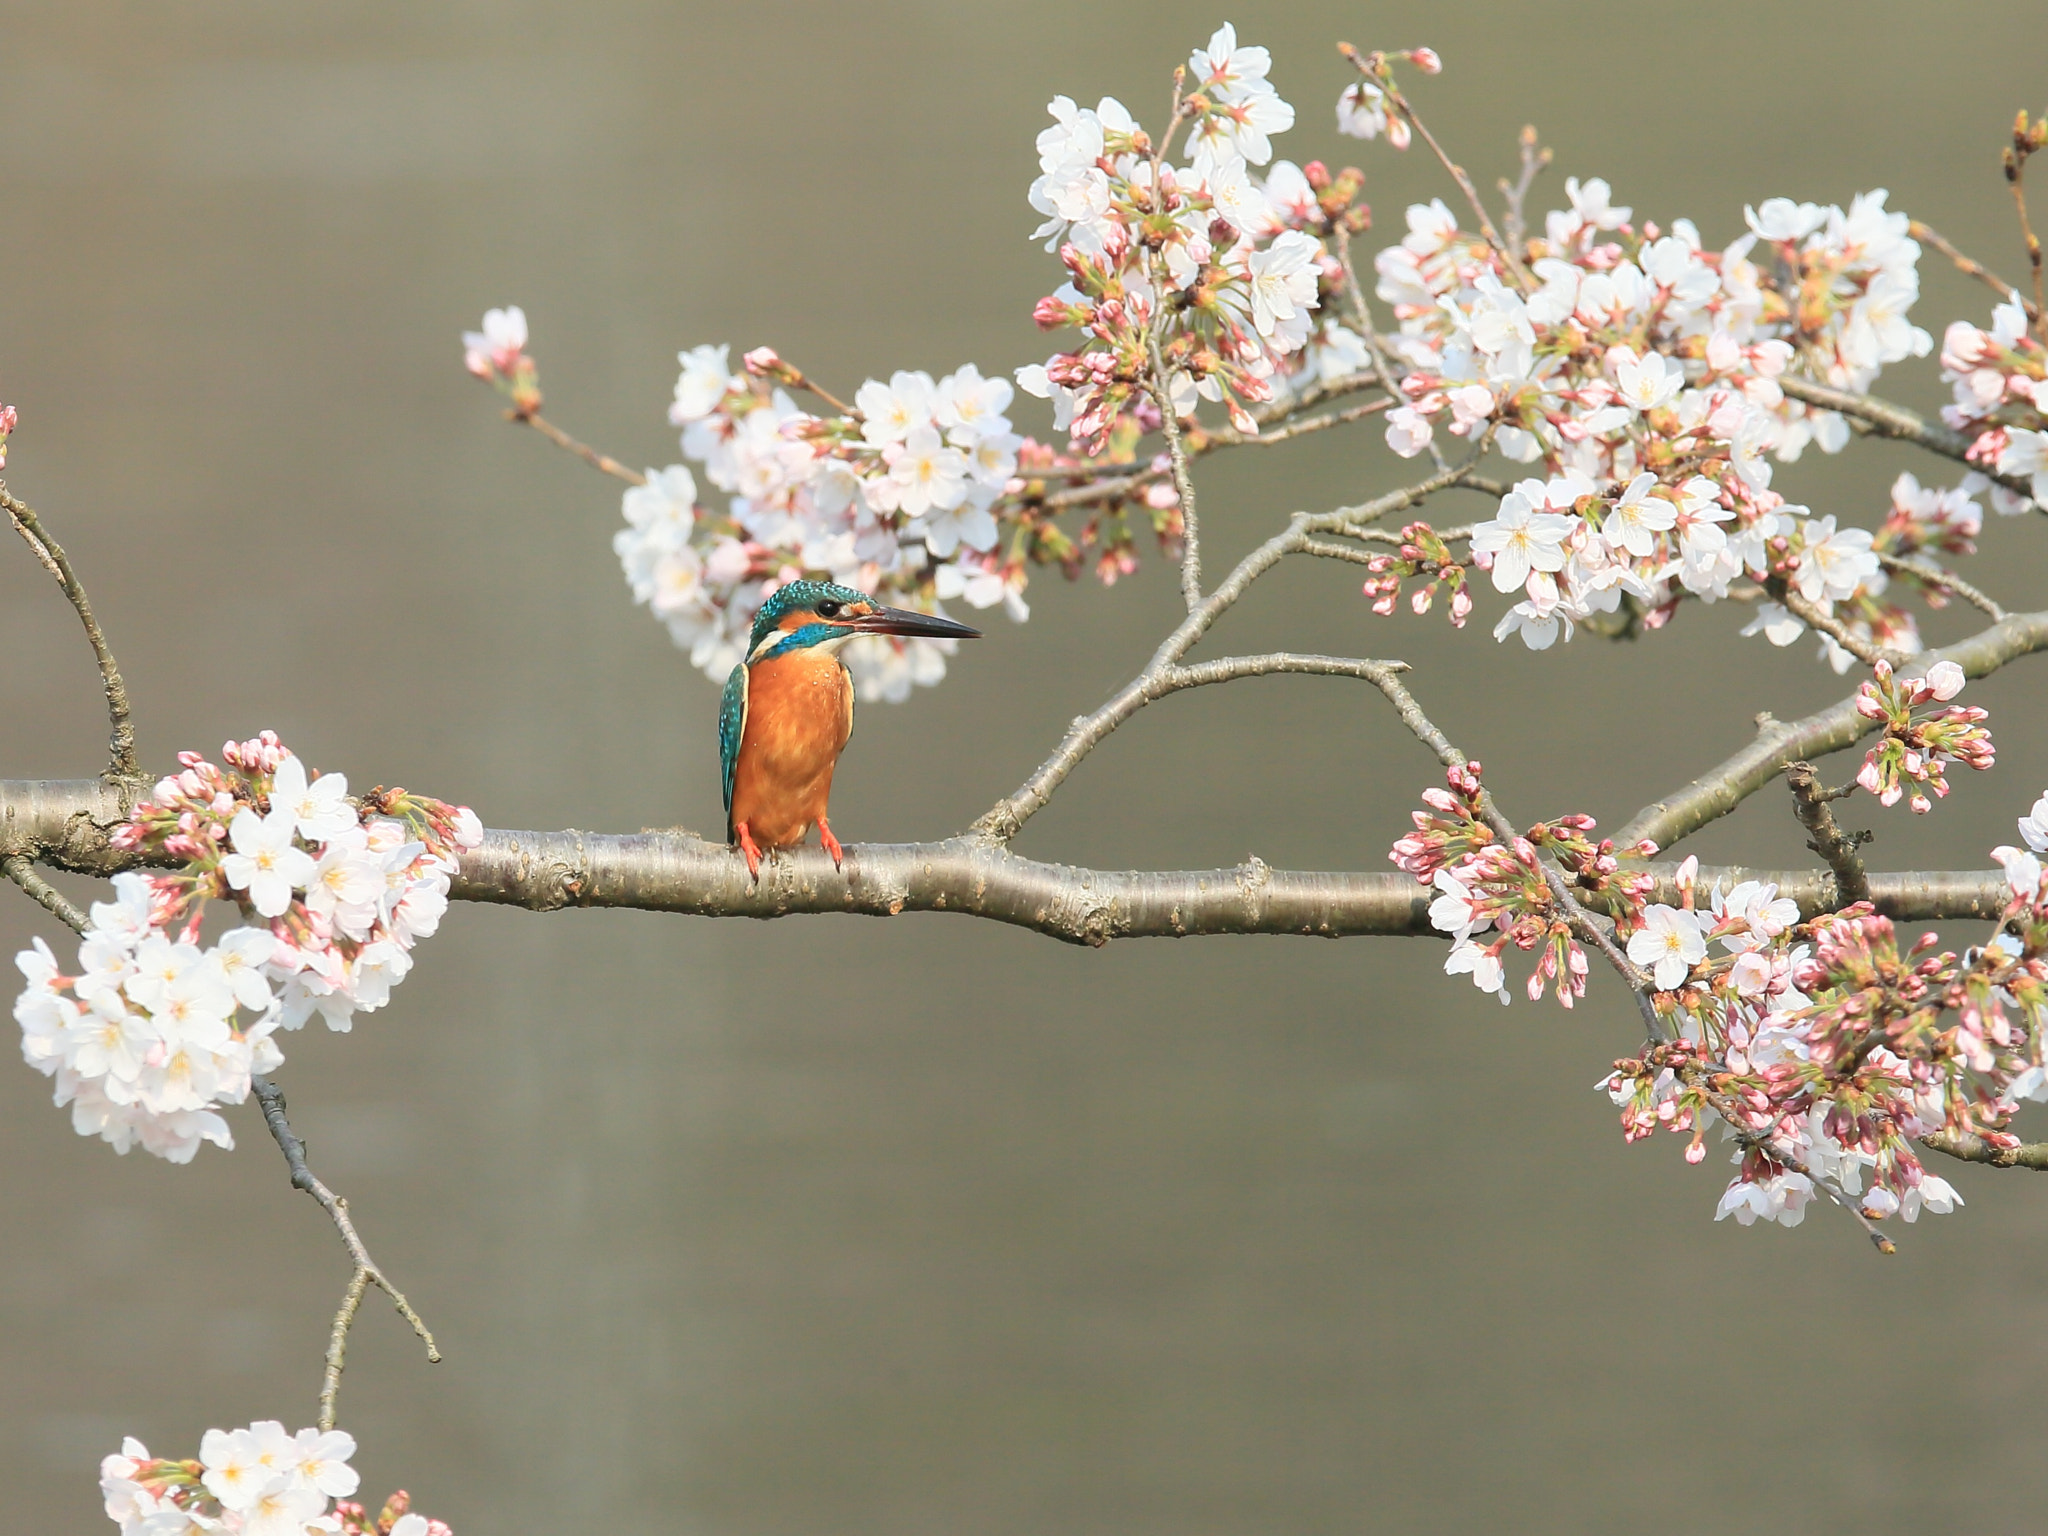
column 799, row 715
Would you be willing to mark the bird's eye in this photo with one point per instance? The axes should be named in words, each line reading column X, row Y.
column 829, row 609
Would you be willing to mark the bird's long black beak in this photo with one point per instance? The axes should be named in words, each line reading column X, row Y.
column 902, row 621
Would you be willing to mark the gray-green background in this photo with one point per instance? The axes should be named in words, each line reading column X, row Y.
column 919, row 1226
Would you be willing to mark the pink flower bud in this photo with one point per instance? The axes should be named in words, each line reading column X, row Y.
column 762, row 361
column 1427, row 60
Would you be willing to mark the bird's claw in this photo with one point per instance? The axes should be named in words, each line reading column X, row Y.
column 751, row 851
column 831, row 843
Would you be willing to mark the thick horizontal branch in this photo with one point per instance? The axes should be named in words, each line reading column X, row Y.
column 677, row 872
column 1717, row 792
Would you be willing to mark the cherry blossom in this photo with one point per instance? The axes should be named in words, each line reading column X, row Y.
column 156, row 1033
column 256, row 1481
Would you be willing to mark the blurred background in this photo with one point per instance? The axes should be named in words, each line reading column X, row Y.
column 923, row 1225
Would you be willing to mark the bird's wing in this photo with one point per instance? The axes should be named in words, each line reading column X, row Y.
column 732, row 725
column 846, row 692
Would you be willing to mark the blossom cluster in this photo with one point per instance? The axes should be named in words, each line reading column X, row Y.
column 893, row 497
column 1914, row 750
column 2000, row 379
column 1817, row 1045
column 258, row 1481
column 919, row 490
column 1484, row 882
column 1826, row 1051
column 1642, row 371
column 157, row 1030
column 1223, row 269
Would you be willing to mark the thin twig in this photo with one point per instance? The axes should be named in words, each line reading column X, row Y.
column 1002, row 821
column 1866, row 651
column 1516, row 193
column 1183, row 482
column 1885, row 419
column 1576, row 917
column 1838, row 848
column 1383, row 77
column 2016, row 175
column 121, row 732
column 1361, row 315
column 337, row 1345
column 1111, row 482
column 23, row 874
column 1935, row 576
column 271, row 1098
column 1302, row 427
column 602, row 462
column 1970, row 265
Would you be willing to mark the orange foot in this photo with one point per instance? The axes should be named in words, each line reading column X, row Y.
column 831, row 843
column 750, row 849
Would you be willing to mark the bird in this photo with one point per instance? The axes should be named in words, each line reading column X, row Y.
column 787, row 711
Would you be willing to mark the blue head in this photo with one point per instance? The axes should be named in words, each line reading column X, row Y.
column 810, row 613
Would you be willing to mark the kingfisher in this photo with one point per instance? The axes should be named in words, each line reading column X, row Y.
column 788, row 711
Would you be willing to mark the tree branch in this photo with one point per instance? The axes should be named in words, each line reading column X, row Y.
column 1183, row 483
column 1577, row 917
column 1863, row 650
column 1810, row 805
column 271, row 1098
column 1936, row 576
column 1006, row 818
column 1971, row 266
column 1720, row 790
column 121, row 732
column 1885, row 419
column 679, row 872
column 604, row 463
column 40, row 891
column 1975, row 1149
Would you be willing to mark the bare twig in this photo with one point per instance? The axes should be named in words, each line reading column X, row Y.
column 1810, row 805
column 1947, row 580
column 1863, row 650
column 271, row 1098
column 1003, row 821
column 1374, row 69
column 1208, row 442
column 1516, row 193
column 1183, row 482
column 1361, row 316
column 121, row 732
column 1884, row 419
column 602, row 462
column 23, row 874
column 2023, row 145
column 1969, row 265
